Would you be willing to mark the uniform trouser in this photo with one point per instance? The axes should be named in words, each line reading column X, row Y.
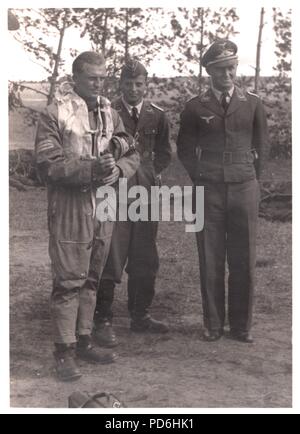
column 77, row 268
column 134, row 242
column 231, row 213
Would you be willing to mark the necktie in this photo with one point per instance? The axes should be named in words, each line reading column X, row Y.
column 225, row 100
column 135, row 115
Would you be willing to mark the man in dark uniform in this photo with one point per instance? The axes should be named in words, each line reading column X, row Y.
column 135, row 242
column 222, row 143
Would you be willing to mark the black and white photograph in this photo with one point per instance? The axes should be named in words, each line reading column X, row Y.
column 150, row 234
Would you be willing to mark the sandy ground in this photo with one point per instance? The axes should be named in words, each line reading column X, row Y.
column 178, row 370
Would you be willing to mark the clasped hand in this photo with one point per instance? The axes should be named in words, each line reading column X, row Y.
column 104, row 170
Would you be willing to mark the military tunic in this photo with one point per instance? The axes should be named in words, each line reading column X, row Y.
column 224, row 151
column 135, row 242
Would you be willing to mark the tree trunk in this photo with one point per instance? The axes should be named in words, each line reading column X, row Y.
column 54, row 76
column 201, row 48
column 104, row 36
column 127, row 36
column 259, row 43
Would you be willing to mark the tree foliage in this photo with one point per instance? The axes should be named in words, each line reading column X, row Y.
column 282, row 28
column 281, row 124
column 123, row 33
column 193, row 30
column 39, row 27
column 178, row 36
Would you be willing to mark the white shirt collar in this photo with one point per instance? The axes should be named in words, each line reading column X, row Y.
column 218, row 93
column 130, row 107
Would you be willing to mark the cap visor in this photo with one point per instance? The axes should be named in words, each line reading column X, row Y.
column 228, row 61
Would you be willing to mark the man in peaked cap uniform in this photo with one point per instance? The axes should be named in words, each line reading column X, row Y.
column 222, row 143
column 135, row 242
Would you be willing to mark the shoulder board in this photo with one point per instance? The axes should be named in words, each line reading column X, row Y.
column 253, row 94
column 157, row 107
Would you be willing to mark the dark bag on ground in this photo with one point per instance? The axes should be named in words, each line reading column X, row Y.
column 96, row 400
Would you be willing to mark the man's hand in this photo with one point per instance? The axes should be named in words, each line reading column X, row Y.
column 102, row 167
column 113, row 177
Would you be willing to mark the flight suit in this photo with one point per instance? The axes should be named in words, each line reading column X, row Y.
column 78, row 243
column 136, row 241
column 224, row 151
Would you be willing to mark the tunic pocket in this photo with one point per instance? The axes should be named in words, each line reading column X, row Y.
column 150, row 137
column 70, row 259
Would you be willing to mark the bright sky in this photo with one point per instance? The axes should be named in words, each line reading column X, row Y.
column 247, row 27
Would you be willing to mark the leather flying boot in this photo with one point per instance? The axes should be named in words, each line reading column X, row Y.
column 86, row 351
column 66, row 368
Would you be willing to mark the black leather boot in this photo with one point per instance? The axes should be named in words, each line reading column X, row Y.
column 66, row 368
column 86, row 351
column 105, row 298
column 241, row 336
column 104, row 334
column 103, row 331
column 140, row 296
column 148, row 324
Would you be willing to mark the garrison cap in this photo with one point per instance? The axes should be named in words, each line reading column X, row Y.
column 132, row 69
column 220, row 51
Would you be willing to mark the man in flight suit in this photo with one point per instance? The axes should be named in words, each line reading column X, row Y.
column 222, row 143
column 78, row 138
column 135, row 242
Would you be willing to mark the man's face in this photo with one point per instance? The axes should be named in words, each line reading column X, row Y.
column 134, row 89
column 89, row 82
column 223, row 75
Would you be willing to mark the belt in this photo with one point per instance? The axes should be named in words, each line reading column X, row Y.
column 227, row 157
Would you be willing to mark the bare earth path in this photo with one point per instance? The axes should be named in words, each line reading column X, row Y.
column 179, row 370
